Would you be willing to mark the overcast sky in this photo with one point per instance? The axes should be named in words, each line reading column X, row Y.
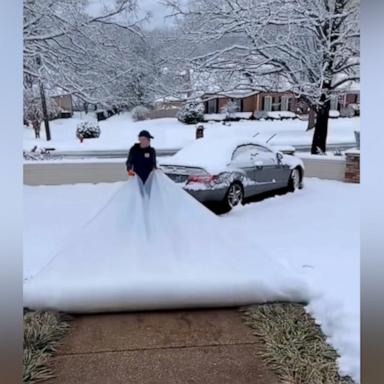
column 157, row 10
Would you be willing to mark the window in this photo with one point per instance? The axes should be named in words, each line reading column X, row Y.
column 285, row 103
column 267, row 103
column 260, row 149
column 244, row 152
column 238, row 103
column 212, row 106
column 276, row 105
column 334, row 103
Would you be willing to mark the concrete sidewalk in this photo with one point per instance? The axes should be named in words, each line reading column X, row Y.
column 173, row 347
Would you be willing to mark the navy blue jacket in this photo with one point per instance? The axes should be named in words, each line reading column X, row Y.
column 141, row 160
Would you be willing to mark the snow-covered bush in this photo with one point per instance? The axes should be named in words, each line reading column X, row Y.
column 88, row 130
column 356, row 108
column 347, row 111
column 140, row 113
column 260, row 115
column 333, row 114
column 191, row 113
column 230, row 108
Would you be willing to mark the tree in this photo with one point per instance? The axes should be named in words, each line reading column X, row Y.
column 71, row 51
column 33, row 109
column 310, row 47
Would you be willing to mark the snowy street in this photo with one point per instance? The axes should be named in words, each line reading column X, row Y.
column 313, row 232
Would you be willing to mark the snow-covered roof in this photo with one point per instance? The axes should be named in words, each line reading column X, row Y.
column 351, row 86
column 212, row 154
column 235, row 94
column 167, row 99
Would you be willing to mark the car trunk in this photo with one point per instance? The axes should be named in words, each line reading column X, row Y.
column 180, row 174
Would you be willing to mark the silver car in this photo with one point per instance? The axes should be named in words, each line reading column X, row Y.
column 229, row 170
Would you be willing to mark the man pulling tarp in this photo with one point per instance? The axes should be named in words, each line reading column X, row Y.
column 141, row 159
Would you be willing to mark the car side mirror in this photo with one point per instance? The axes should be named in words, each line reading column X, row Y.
column 279, row 157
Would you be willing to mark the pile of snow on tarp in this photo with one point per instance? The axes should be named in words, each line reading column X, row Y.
column 153, row 246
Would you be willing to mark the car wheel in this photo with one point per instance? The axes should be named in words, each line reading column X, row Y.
column 294, row 180
column 234, row 196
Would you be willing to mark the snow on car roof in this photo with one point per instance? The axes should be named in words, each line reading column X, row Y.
column 212, row 154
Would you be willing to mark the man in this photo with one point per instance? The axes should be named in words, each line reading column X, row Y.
column 142, row 157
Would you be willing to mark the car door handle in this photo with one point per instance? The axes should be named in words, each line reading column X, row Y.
column 258, row 165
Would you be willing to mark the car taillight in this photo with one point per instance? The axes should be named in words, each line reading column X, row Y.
column 201, row 179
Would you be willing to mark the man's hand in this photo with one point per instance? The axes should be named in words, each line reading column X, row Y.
column 131, row 173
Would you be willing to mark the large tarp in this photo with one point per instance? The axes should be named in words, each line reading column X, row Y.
column 153, row 246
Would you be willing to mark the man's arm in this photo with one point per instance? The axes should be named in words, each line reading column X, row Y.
column 129, row 162
column 154, row 159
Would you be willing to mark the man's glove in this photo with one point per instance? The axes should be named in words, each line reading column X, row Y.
column 131, row 173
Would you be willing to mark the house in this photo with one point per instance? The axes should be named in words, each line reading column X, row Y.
column 168, row 103
column 252, row 101
column 348, row 94
column 65, row 104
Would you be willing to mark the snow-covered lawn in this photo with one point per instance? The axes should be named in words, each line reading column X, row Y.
column 120, row 132
column 318, row 231
column 314, row 232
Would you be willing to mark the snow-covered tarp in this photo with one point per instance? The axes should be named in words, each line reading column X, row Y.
column 156, row 247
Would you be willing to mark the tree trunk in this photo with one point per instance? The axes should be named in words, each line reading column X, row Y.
column 319, row 142
column 311, row 119
column 45, row 112
column 36, row 128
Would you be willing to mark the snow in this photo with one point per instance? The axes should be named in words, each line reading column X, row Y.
column 280, row 114
column 223, row 116
column 317, row 230
column 124, row 257
column 334, row 114
column 119, row 132
column 215, row 154
column 298, row 246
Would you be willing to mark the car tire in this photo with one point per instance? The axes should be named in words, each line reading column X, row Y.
column 295, row 180
column 233, row 197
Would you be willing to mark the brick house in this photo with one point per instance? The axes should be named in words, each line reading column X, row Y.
column 252, row 101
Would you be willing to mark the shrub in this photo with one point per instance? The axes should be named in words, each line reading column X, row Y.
column 333, row 114
column 230, row 109
column 347, row 111
column 191, row 113
column 88, row 130
column 140, row 113
column 260, row 115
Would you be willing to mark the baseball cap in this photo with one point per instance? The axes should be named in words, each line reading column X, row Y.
column 145, row 134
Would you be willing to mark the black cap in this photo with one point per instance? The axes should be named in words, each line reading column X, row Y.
column 145, row 134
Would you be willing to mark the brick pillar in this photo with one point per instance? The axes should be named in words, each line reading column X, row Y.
column 352, row 169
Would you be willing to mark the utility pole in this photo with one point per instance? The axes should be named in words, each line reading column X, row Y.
column 44, row 104
column 45, row 112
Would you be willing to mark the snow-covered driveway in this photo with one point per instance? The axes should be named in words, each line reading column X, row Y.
column 315, row 231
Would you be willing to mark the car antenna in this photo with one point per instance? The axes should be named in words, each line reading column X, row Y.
column 271, row 137
column 256, row 134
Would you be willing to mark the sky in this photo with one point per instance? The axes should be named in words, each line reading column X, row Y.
column 157, row 10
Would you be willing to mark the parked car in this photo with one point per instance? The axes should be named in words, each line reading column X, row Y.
column 228, row 170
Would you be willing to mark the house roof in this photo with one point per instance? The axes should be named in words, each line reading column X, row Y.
column 235, row 94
